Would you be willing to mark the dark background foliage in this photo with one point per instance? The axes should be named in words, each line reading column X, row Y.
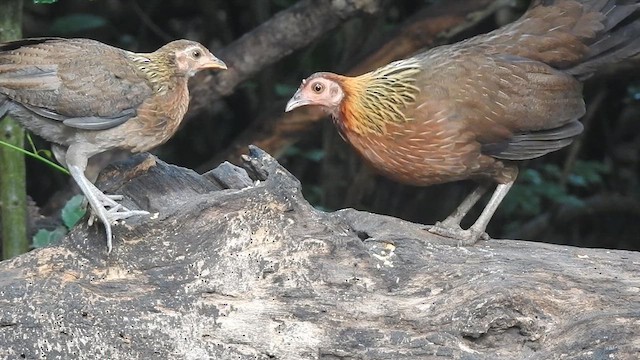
column 585, row 195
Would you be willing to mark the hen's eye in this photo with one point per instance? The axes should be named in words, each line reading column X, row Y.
column 317, row 87
column 196, row 54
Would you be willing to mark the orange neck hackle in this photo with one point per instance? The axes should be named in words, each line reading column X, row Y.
column 377, row 98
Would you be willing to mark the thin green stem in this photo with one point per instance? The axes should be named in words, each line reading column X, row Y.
column 36, row 156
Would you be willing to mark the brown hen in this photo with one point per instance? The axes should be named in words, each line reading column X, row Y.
column 87, row 97
column 470, row 109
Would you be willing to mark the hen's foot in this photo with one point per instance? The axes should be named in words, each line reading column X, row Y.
column 465, row 237
column 108, row 211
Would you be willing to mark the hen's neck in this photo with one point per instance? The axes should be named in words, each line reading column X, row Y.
column 158, row 67
column 377, row 98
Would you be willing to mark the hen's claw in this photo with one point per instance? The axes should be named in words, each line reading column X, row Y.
column 104, row 207
column 466, row 237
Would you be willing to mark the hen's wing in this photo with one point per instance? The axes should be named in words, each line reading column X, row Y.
column 83, row 83
column 516, row 108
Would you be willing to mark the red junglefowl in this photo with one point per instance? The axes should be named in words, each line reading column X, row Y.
column 470, row 109
column 87, row 97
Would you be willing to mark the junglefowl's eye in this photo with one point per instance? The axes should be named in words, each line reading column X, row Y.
column 318, row 88
column 196, row 54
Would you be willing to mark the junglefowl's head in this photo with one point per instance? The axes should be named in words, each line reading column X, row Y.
column 320, row 89
column 191, row 57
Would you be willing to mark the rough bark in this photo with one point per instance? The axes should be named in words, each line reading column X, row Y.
column 233, row 268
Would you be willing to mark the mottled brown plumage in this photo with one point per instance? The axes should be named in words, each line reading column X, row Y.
column 470, row 109
column 87, row 97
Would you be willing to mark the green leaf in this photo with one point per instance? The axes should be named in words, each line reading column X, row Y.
column 522, row 199
column 552, row 191
column 552, row 171
column 577, row 180
column 532, row 176
column 249, row 85
column 292, row 151
column 46, row 237
column 314, row 155
column 73, row 211
column 571, row 201
column 592, row 171
column 46, row 153
column 77, row 23
column 633, row 91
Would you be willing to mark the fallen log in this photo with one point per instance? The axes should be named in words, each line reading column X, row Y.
column 235, row 264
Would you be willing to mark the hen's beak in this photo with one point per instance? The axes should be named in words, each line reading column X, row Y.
column 296, row 101
column 213, row 63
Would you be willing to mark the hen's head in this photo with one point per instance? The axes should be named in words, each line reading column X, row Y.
column 191, row 57
column 320, row 89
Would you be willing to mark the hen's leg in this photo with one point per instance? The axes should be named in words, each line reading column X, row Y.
column 481, row 223
column 461, row 211
column 451, row 226
column 104, row 207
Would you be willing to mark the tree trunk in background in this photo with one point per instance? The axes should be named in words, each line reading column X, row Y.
column 13, row 194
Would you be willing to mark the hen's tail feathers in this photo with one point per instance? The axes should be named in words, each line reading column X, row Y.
column 619, row 40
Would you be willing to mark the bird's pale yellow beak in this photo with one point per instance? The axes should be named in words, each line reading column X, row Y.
column 213, row 63
column 296, row 101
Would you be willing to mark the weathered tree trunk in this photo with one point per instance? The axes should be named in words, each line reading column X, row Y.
column 232, row 268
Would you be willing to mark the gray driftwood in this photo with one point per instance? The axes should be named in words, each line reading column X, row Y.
column 234, row 268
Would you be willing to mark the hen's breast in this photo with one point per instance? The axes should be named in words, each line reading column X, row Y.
column 425, row 152
column 156, row 120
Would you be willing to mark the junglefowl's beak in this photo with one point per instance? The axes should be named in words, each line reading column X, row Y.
column 296, row 101
column 214, row 63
